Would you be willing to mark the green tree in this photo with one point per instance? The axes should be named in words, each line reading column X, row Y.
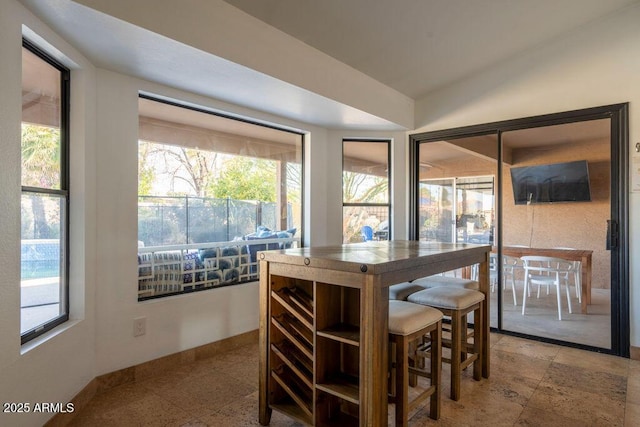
column 40, row 168
column 146, row 172
column 246, row 178
column 40, row 156
column 360, row 188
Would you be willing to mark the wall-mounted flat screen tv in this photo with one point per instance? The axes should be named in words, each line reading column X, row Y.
column 554, row 183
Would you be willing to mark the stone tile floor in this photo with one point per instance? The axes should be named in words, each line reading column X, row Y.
column 531, row 384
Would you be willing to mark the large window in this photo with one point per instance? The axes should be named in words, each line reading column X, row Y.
column 457, row 210
column 45, row 195
column 366, row 206
column 212, row 192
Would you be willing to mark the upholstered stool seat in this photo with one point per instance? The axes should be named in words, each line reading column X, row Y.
column 456, row 303
column 408, row 325
column 437, row 281
column 402, row 290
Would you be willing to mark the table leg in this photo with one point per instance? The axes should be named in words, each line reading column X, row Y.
column 374, row 338
column 483, row 277
column 586, row 283
column 264, row 411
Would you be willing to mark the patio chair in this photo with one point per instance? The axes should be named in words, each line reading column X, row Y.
column 546, row 271
column 508, row 265
column 577, row 278
column 367, row 233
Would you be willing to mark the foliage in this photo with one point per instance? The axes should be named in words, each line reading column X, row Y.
column 208, row 174
column 146, row 172
column 360, row 188
column 221, row 191
column 40, row 156
column 246, row 178
column 40, row 168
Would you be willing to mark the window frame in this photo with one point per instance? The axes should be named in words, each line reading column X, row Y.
column 63, row 192
column 388, row 205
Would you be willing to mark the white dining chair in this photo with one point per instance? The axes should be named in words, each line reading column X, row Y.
column 510, row 265
column 507, row 272
column 577, row 276
column 546, row 271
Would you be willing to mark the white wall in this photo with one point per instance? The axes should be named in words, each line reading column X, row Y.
column 597, row 65
column 55, row 367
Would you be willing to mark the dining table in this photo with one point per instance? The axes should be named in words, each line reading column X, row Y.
column 323, row 332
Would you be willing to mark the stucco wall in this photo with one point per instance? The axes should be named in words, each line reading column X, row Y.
column 580, row 225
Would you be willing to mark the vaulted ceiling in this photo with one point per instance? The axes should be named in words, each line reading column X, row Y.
column 417, row 46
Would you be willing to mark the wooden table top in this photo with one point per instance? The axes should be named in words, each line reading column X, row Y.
column 374, row 257
column 569, row 254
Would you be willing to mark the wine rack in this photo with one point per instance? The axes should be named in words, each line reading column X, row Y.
column 291, row 347
column 304, row 340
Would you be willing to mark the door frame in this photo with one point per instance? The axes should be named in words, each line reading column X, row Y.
column 619, row 195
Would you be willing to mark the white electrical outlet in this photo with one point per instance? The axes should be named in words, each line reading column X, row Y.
column 139, row 326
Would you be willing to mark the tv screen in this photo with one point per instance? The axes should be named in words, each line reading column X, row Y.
column 559, row 182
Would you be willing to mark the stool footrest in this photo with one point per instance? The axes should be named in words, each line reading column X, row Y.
column 421, row 397
column 420, row 372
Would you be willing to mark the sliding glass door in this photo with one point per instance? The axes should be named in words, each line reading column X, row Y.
column 456, row 193
column 549, row 193
column 556, row 203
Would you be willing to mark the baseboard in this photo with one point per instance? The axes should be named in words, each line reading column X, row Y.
column 148, row 369
column 634, row 353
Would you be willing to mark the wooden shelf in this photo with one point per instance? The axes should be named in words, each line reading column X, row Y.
column 292, row 410
column 342, row 332
column 343, row 386
column 342, row 420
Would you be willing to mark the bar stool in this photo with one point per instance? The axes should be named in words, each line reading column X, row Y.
column 402, row 290
column 437, row 281
column 408, row 325
column 456, row 303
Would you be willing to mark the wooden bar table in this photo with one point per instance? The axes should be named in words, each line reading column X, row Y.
column 583, row 255
column 324, row 325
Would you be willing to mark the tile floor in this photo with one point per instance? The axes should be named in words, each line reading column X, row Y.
column 531, row 384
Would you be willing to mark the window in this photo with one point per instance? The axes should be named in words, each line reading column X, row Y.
column 212, row 192
column 457, row 209
column 45, row 193
column 366, row 206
